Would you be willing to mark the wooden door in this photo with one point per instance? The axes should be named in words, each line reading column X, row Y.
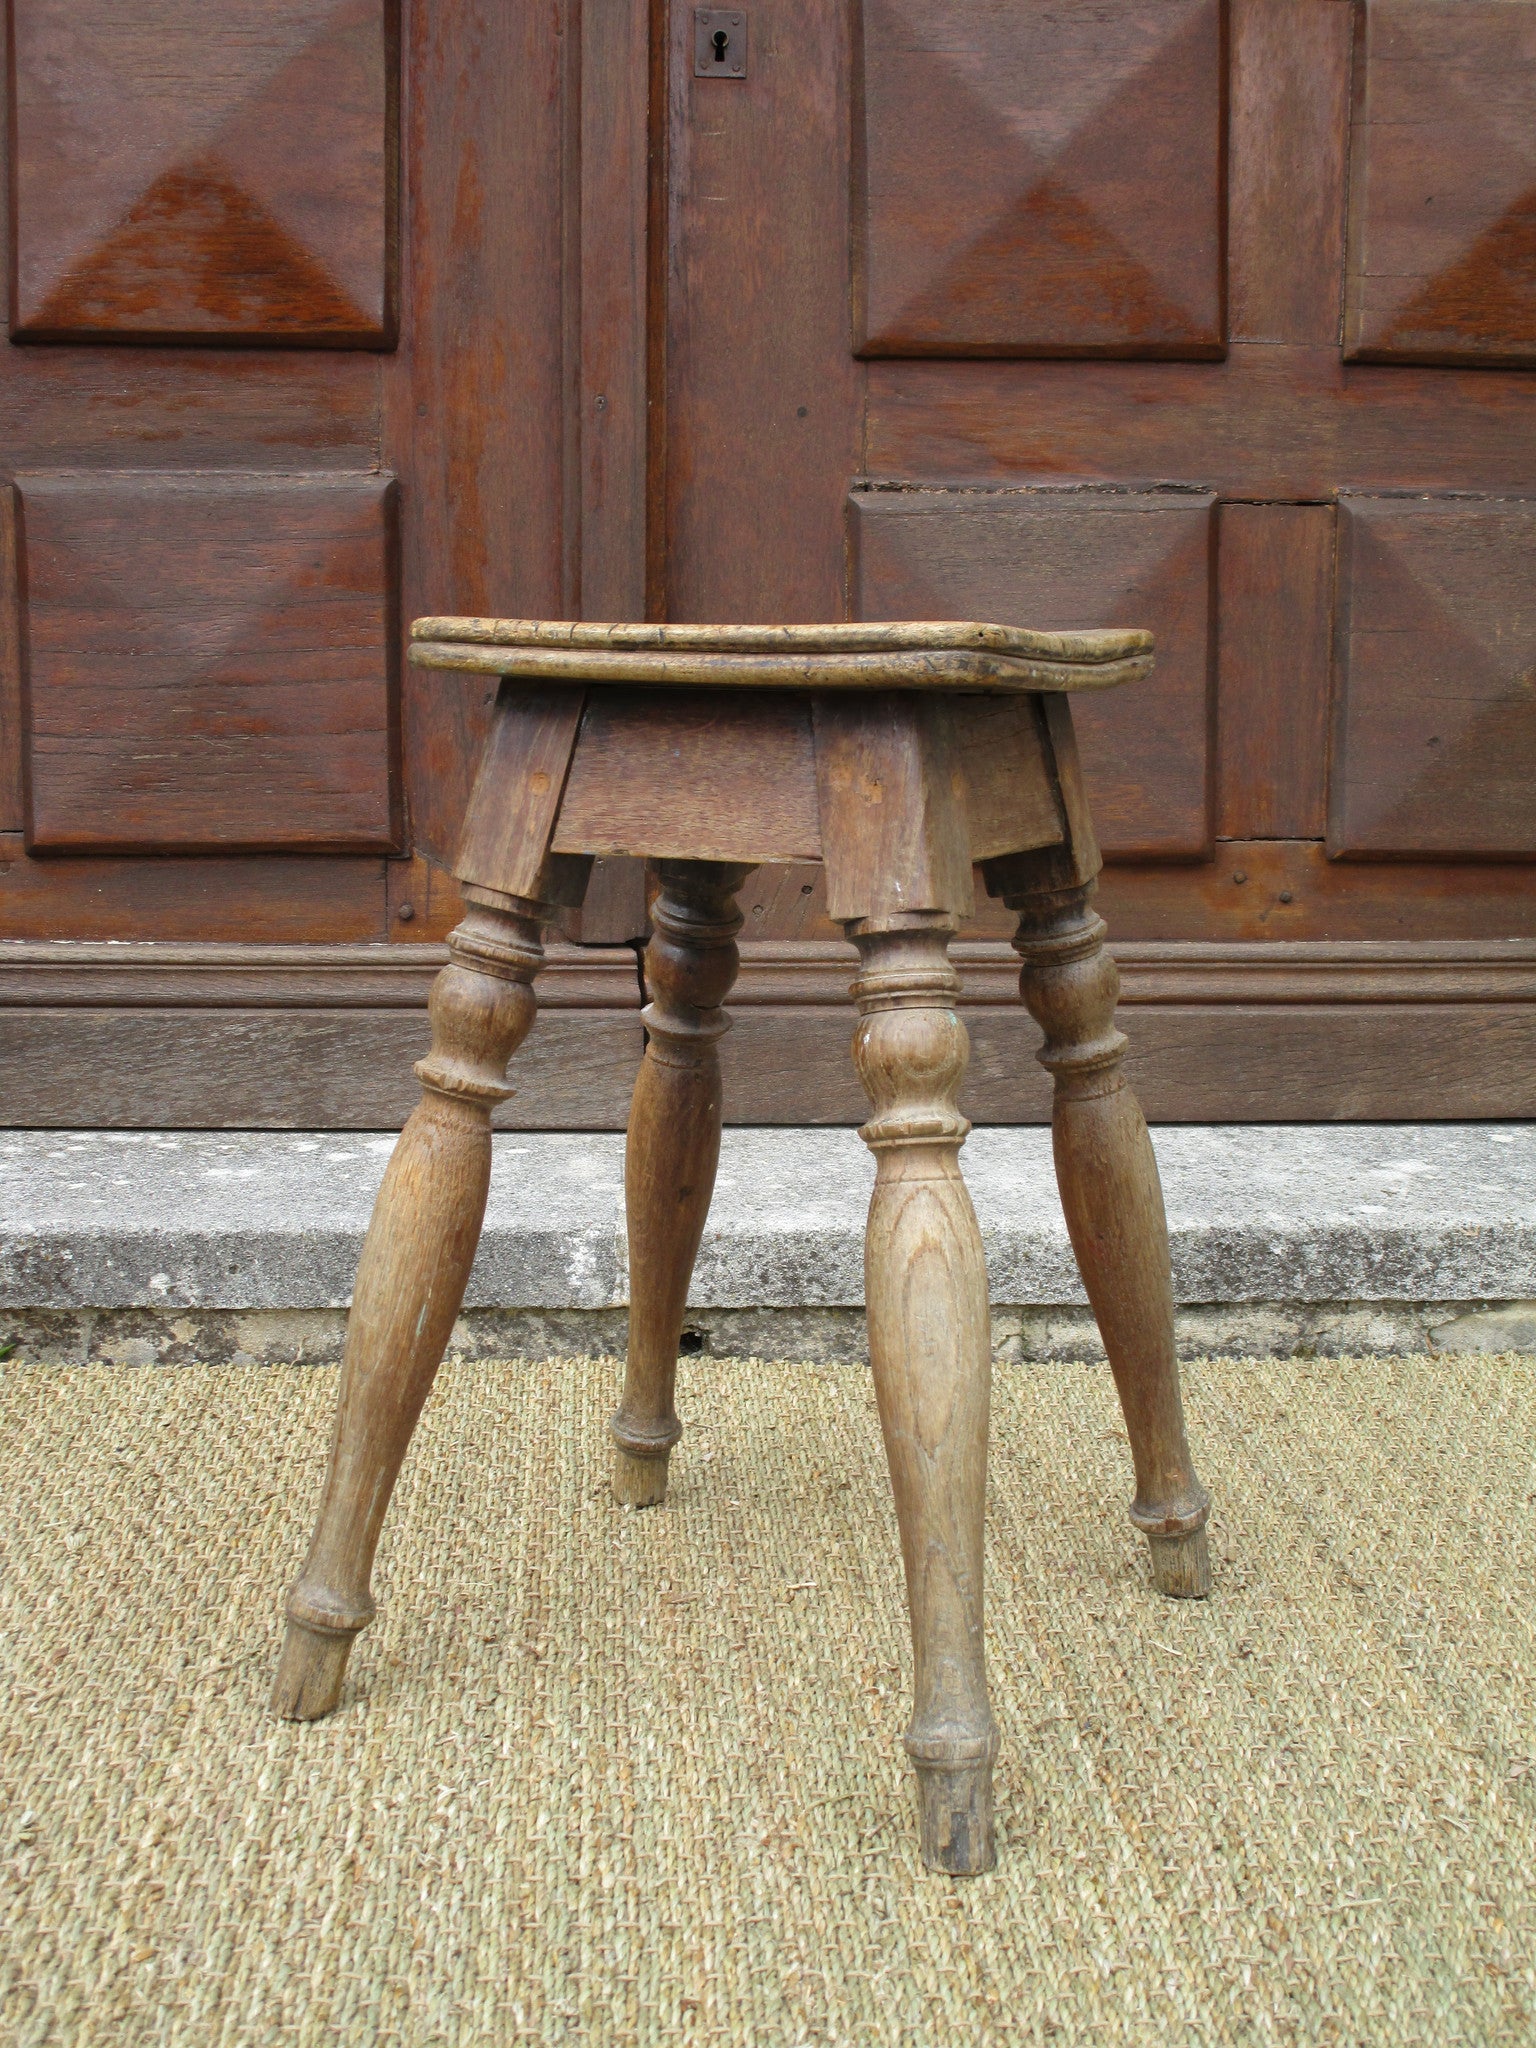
column 1216, row 318
column 295, row 351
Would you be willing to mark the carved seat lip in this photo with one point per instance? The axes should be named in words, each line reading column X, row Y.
column 931, row 654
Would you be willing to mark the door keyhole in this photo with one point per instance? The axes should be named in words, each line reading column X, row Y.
column 720, row 40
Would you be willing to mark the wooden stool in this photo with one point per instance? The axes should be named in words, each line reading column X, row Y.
column 897, row 755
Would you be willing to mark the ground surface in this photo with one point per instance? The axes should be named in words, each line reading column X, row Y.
column 605, row 1777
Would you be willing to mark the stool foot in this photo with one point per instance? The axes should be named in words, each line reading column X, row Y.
column 1181, row 1565
column 639, row 1482
column 954, row 1814
column 307, row 1686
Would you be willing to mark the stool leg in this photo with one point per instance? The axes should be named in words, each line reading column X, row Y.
column 930, row 1346
column 671, row 1153
column 410, row 1283
column 1114, row 1208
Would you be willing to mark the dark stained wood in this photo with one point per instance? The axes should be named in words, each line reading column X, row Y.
column 1442, row 246
column 1040, row 181
column 299, row 1068
column 1290, row 889
column 296, row 899
column 1064, row 560
column 240, row 179
column 211, row 662
column 304, row 1068
column 12, row 739
column 159, row 975
column 671, row 1154
column 242, row 409
column 423, row 901
column 475, row 418
column 300, row 1037
column 1288, row 144
column 1345, row 1061
column 614, row 250
column 1273, row 670
column 1274, row 421
column 762, row 393
column 1435, row 738
column 746, row 763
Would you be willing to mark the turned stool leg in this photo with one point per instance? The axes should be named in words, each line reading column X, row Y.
column 671, row 1153
column 1114, row 1208
column 410, row 1282
column 930, row 1346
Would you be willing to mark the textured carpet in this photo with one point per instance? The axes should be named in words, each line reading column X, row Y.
column 637, row 1778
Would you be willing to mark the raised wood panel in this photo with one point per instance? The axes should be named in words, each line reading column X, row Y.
column 1435, row 740
column 1442, row 251
column 1287, row 150
column 187, row 172
column 1273, row 668
column 1065, row 559
column 1041, row 180
column 210, row 662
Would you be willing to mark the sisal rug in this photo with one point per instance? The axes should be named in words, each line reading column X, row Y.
column 603, row 1777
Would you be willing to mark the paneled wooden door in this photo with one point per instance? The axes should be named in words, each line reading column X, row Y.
column 1215, row 317
column 296, row 350
column 1218, row 318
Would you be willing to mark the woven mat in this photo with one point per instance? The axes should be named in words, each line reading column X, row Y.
column 604, row 1777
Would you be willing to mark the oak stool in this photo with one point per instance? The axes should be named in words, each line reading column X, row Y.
column 897, row 755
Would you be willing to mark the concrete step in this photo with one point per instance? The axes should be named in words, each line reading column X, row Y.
column 167, row 1244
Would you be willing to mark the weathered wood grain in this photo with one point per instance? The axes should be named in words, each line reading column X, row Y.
column 671, row 1154
column 711, row 774
column 410, row 1283
column 930, row 1348
column 1114, row 1209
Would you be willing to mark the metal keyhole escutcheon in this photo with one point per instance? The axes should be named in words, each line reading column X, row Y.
column 719, row 42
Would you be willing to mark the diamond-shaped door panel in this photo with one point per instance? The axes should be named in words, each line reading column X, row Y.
column 1058, row 560
column 1041, row 180
column 1434, row 750
column 1442, row 242
column 211, row 662
column 191, row 172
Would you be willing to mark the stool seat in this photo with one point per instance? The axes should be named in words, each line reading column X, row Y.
column 920, row 655
column 903, row 757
